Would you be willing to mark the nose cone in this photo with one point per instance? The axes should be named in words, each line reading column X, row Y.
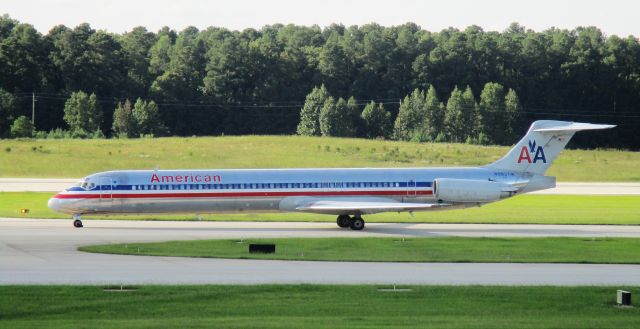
column 54, row 204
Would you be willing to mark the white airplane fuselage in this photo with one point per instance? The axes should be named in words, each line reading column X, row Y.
column 253, row 190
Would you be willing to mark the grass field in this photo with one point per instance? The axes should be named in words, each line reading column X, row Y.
column 440, row 249
column 311, row 306
column 78, row 158
column 539, row 209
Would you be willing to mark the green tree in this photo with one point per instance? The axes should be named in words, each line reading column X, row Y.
column 147, row 118
column 124, row 123
column 309, row 124
column 330, row 117
column 82, row 114
column 455, row 129
column 229, row 71
column 182, row 83
column 186, row 68
column 159, row 56
column 136, row 46
column 469, row 114
column 377, row 121
column 434, row 115
column 513, row 112
column 411, row 116
column 88, row 60
column 22, row 59
column 492, row 113
column 353, row 121
column 7, row 111
column 335, row 66
column 22, row 127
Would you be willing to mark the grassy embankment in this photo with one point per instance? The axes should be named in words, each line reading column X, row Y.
column 78, row 158
column 438, row 249
column 538, row 209
column 311, row 306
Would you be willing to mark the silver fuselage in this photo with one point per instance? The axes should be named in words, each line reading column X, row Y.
column 253, row 190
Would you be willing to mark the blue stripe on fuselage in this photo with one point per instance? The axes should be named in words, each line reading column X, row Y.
column 253, row 186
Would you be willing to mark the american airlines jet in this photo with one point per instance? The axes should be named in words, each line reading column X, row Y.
column 347, row 193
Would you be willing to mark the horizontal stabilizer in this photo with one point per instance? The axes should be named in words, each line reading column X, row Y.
column 574, row 126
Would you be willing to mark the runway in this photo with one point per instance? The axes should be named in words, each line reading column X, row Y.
column 56, row 185
column 45, row 252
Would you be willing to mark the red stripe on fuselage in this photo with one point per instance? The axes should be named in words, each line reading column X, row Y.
column 238, row 194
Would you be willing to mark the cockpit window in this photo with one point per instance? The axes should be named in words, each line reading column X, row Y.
column 86, row 185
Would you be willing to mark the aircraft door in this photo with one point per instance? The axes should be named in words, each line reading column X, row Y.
column 411, row 189
column 106, row 189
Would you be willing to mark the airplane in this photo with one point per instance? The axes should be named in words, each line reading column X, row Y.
column 347, row 193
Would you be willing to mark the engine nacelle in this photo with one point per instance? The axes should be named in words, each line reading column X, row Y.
column 470, row 190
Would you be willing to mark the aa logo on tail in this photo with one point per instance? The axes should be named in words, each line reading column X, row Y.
column 538, row 153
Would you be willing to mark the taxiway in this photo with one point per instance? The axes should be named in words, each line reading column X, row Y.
column 45, row 252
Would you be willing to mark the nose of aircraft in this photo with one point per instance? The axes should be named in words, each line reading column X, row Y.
column 54, row 204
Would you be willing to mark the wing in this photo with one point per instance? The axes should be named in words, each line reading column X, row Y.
column 354, row 205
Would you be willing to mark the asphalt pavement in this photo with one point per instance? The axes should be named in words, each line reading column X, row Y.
column 45, row 252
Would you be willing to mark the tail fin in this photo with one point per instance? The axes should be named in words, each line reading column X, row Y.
column 535, row 152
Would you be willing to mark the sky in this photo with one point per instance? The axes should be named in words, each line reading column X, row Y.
column 618, row 17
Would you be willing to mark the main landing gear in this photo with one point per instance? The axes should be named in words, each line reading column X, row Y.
column 77, row 222
column 355, row 223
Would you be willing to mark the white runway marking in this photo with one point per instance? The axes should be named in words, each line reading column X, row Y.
column 45, row 252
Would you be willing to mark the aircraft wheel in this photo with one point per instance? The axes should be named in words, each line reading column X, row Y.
column 344, row 221
column 77, row 223
column 357, row 223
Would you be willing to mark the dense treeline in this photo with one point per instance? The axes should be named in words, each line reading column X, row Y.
column 213, row 81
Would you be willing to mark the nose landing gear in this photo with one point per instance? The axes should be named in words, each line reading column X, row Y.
column 77, row 222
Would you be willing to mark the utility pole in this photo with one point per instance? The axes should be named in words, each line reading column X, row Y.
column 33, row 108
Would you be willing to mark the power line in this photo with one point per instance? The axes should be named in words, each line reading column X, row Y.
column 295, row 105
